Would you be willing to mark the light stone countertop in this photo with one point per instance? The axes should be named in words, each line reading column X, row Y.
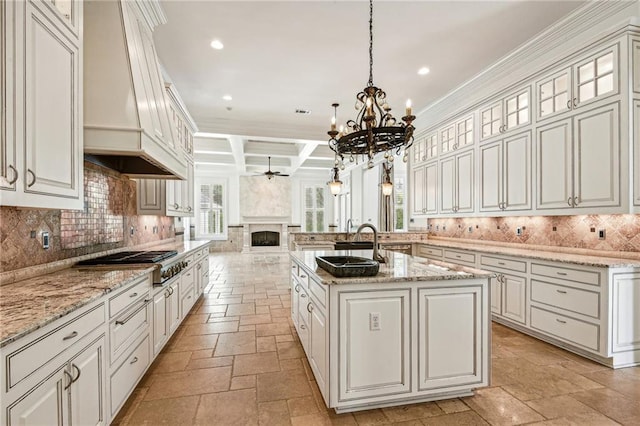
column 30, row 304
column 561, row 255
column 399, row 268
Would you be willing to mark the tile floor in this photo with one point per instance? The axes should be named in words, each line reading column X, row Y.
column 236, row 360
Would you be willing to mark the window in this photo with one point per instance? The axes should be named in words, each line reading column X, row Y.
column 313, row 211
column 399, row 204
column 211, row 220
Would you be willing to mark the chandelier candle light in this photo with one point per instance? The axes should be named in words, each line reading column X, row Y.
column 375, row 129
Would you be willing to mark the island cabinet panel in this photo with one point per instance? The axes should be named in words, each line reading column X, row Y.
column 444, row 360
column 44, row 405
column 374, row 344
column 626, row 308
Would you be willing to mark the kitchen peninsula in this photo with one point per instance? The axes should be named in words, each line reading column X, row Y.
column 417, row 331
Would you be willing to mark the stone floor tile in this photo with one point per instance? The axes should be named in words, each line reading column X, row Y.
column 211, row 328
column 266, row 344
column 291, row 364
column 255, row 319
column 210, row 309
column 500, row 408
column 262, row 310
column 228, row 408
column 195, row 319
column 610, row 403
column 242, row 342
column 129, row 407
column 192, row 382
column 168, row 362
column 262, row 362
column 371, row 418
column 626, row 384
column 199, row 363
column 282, row 385
column 287, row 350
column 465, row 418
column 172, row 411
column 302, row 406
column 193, row 343
column 241, row 309
column 559, row 406
column 243, row 382
column 449, row 406
column 204, row 353
column 251, row 327
column 412, row 411
column 588, row 419
column 274, row 413
column 272, row 329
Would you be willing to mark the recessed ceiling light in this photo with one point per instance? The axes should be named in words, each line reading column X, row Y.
column 227, row 97
column 423, row 71
column 217, row 44
column 303, row 111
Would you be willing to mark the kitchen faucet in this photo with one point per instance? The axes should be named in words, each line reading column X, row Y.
column 376, row 255
column 348, row 225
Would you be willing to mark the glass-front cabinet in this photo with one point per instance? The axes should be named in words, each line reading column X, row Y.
column 505, row 114
column 584, row 82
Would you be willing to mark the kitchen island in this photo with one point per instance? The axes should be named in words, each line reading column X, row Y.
column 417, row 331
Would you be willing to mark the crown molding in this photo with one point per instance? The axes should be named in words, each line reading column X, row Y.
column 578, row 30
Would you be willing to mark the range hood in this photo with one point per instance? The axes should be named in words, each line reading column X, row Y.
column 126, row 121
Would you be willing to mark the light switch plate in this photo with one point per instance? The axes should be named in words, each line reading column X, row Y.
column 45, row 240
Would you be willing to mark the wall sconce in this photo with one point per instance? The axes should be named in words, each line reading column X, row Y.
column 335, row 184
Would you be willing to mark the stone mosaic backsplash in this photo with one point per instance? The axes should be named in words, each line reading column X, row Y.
column 622, row 232
column 104, row 224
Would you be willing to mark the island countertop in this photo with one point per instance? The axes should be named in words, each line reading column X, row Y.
column 398, row 268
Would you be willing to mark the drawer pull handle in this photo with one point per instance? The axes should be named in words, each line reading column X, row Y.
column 15, row 175
column 134, row 360
column 66, row 373
column 33, row 180
column 297, row 288
column 458, row 256
column 71, row 336
column 309, row 307
column 303, row 295
column 167, row 294
column 75, row 367
column 133, row 294
column 303, row 276
column 133, row 314
column 562, row 291
column 561, row 321
column 303, row 327
column 562, row 273
column 501, row 263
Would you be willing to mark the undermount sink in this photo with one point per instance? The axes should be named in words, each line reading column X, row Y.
column 353, row 245
column 348, row 266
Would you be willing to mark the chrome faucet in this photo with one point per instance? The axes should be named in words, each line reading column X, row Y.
column 349, row 225
column 376, row 255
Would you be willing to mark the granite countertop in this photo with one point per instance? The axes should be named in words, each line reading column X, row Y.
column 399, row 268
column 28, row 305
column 32, row 303
column 564, row 256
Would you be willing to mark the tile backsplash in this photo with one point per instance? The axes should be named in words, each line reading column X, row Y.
column 621, row 232
column 105, row 223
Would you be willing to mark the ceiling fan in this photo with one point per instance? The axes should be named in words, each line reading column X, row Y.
column 270, row 174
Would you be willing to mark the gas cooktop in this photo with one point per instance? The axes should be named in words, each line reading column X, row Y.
column 130, row 257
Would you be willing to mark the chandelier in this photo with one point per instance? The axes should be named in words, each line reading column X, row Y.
column 375, row 129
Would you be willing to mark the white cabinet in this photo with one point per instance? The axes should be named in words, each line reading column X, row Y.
column 165, row 197
column 457, row 183
column 635, row 58
column 505, row 114
column 625, row 335
column 636, row 152
column 45, row 405
column 425, row 189
column 578, row 161
column 87, row 391
column 166, row 313
column 444, row 361
column 457, row 135
column 588, row 80
column 374, row 361
column 42, row 163
column 425, row 149
column 505, row 174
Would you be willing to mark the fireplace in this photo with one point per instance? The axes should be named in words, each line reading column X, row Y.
column 265, row 239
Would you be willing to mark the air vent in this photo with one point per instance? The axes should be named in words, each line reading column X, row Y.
column 303, row 111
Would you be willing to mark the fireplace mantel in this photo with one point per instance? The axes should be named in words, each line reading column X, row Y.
column 269, row 224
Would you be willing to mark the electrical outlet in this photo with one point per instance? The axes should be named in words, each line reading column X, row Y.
column 602, row 234
column 437, row 227
column 45, row 240
column 374, row 321
column 470, row 229
column 131, row 231
column 518, row 231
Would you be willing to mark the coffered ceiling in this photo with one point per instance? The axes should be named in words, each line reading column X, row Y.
column 280, row 56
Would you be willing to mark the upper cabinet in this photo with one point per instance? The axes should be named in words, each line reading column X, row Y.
column 505, row 114
column 126, row 108
column 588, row 80
column 456, row 135
column 635, row 57
column 41, row 135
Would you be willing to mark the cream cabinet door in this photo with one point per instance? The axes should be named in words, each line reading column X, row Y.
column 635, row 55
column 597, row 157
column 88, row 388
column 160, row 323
column 447, row 185
column 151, row 196
column 8, row 150
column 465, row 182
column 491, row 177
column 431, row 188
column 449, row 329
column 47, row 404
column 516, row 173
column 318, row 351
column 554, row 164
column 495, row 284
column 514, row 290
column 374, row 344
column 636, row 151
column 418, row 190
column 173, row 307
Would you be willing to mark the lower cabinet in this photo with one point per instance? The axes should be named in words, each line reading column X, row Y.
column 510, row 295
column 166, row 314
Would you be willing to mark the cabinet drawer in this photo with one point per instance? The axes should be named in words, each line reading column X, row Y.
column 568, row 298
column 577, row 275
column 318, row 291
column 188, row 277
column 188, row 299
column 497, row 262
column 129, row 296
column 303, row 278
column 430, row 252
column 303, row 327
column 460, row 257
column 124, row 379
column 127, row 327
column 35, row 354
column 579, row 332
column 294, row 269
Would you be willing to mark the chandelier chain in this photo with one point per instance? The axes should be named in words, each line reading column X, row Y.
column 370, row 43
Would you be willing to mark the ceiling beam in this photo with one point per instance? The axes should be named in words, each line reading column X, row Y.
column 304, row 153
column 237, row 148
